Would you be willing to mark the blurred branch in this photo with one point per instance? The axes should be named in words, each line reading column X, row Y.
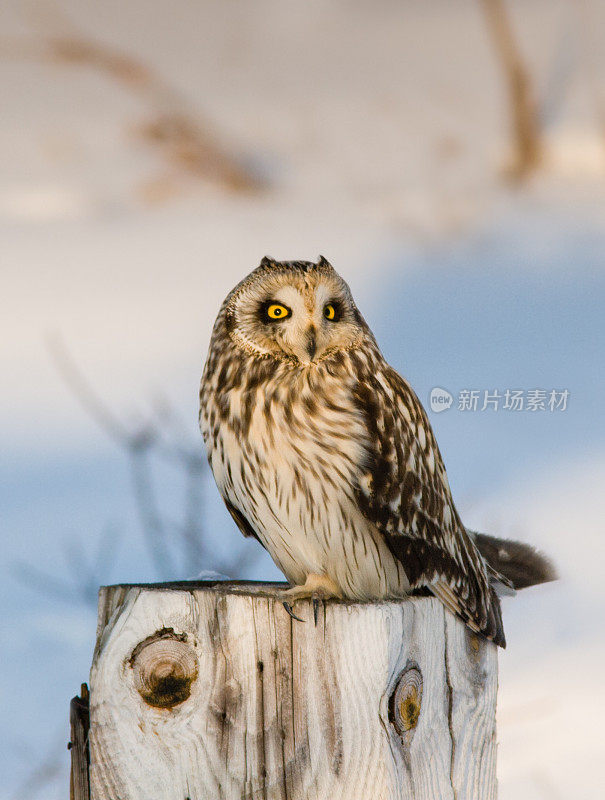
column 149, row 513
column 193, row 542
column 137, row 443
column 46, row 584
column 84, row 578
column 163, row 435
column 173, row 129
column 184, row 141
column 592, row 48
column 42, row 776
column 559, row 79
column 120, row 67
column 527, row 144
column 90, row 401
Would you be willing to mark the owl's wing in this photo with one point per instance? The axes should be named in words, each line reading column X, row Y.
column 241, row 521
column 404, row 491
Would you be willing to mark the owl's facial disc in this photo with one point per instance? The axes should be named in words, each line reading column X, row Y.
column 301, row 317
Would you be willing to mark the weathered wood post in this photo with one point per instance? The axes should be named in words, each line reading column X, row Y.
column 207, row 691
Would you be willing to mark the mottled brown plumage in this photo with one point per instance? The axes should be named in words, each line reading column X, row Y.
column 325, row 454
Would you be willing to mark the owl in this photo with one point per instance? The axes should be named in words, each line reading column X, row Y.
column 324, row 453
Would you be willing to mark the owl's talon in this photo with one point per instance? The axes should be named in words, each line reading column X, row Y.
column 288, row 608
column 315, row 609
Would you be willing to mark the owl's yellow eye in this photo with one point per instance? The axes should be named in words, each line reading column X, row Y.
column 330, row 312
column 277, row 311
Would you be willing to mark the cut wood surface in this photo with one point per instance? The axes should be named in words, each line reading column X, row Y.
column 206, row 691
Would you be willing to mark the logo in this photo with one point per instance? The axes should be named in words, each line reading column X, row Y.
column 440, row 399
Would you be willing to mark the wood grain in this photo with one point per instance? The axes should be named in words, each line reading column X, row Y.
column 79, row 788
column 284, row 710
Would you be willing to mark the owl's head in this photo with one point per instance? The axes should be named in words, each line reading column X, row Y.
column 293, row 310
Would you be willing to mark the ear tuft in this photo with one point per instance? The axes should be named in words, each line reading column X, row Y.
column 323, row 262
column 267, row 261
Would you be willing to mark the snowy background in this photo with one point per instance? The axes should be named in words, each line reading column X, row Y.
column 150, row 154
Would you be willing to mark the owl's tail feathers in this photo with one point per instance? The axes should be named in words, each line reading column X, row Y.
column 520, row 563
column 491, row 626
column 494, row 629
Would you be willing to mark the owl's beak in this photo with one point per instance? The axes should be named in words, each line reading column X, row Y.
column 311, row 343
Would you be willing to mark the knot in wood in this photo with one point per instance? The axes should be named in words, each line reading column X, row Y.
column 165, row 667
column 406, row 700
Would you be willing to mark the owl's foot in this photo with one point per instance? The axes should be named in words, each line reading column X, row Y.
column 316, row 588
column 288, row 608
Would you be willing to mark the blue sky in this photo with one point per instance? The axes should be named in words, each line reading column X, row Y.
column 496, row 312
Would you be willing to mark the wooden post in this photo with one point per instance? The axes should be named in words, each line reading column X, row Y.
column 207, row 691
column 79, row 788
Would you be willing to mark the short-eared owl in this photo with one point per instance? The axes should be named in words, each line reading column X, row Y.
column 324, row 454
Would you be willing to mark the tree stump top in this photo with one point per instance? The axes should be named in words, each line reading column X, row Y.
column 209, row 689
